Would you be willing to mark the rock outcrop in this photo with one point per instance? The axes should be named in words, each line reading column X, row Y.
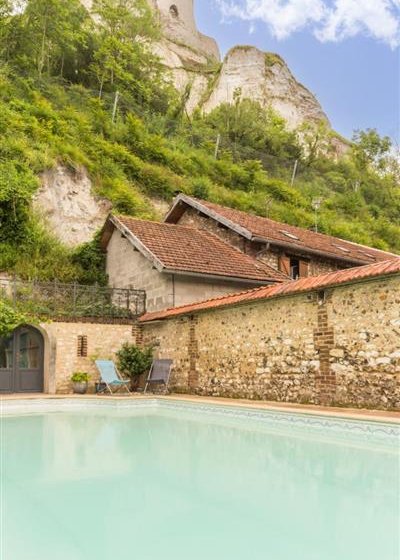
column 66, row 202
column 194, row 60
column 266, row 78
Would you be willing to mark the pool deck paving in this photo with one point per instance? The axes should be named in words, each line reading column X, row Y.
column 353, row 413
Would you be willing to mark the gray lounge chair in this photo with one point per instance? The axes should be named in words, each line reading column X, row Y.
column 159, row 373
column 111, row 377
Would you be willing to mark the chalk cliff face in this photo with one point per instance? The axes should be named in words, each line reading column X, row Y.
column 66, row 202
column 194, row 59
column 266, row 78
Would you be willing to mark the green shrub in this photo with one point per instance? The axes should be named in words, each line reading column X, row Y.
column 80, row 377
column 11, row 318
column 134, row 361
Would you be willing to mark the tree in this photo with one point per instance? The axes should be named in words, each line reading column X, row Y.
column 251, row 131
column 5, row 27
column 316, row 139
column 50, row 31
column 17, row 185
column 370, row 149
column 123, row 58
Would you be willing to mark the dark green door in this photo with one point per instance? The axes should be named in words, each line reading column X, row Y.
column 21, row 361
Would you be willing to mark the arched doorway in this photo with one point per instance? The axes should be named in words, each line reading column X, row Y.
column 22, row 361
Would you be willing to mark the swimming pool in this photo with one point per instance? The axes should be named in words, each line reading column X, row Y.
column 154, row 479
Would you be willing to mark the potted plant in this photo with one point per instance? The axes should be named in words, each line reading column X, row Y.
column 80, row 381
column 134, row 362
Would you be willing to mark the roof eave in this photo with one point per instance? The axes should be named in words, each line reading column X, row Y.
column 275, row 296
column 219, row 277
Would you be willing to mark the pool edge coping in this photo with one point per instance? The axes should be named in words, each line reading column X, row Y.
column 387, row 417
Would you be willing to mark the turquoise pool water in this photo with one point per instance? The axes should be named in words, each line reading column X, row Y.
column 185, row 483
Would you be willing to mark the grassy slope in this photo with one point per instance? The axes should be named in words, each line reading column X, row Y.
column 129, row 165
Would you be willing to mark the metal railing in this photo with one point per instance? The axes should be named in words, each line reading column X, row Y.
column 56, row 299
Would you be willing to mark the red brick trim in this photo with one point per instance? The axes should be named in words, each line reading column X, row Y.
column 325, row 379
column 137, row 333
column 193, row 349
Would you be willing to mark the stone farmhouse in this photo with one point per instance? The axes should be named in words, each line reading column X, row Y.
column 295, row 251
column 177, row 264
column 203, row 250
column 244, row 306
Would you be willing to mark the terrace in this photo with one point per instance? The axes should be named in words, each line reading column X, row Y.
column 73, row 301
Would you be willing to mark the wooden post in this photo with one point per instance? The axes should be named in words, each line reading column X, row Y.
column 296, row 163
column 114, row 113
column 217, row 144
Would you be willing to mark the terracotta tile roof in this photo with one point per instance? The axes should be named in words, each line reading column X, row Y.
column 190, row 250
column 349, row 275
column 299, row 239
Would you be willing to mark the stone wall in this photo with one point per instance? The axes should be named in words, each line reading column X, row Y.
column 193, row 218
column 340, row 346
column 61, row 350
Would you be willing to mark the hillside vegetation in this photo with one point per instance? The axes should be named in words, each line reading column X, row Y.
column 59, row 74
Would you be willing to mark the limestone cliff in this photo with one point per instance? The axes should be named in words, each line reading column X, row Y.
column 266, row 78
column 194, row 59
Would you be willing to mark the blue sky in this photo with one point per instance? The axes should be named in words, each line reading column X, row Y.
column 345, row 51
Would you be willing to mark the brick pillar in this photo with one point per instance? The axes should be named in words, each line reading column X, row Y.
column 137, row 333
column 193, row 348
column 325, row 379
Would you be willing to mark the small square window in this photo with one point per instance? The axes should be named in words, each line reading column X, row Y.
column 82, row 349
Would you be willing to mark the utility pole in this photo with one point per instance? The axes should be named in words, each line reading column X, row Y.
column 115, row 106
column 296, row 163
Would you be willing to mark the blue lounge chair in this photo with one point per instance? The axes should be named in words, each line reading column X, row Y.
column 110, row 377
column 159, row 373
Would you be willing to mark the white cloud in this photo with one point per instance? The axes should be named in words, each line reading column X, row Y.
column 329, row 20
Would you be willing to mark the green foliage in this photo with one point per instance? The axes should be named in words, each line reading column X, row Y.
column 134, row 361
column 80, row 377
column 123, row 59
column 201, row 187
column 369, row 149
column 18, row 184
column 11, row 318
column 59, row 75
column 91, row 259
column 248, row 131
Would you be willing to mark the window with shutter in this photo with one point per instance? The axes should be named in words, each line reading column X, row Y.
column 284, row 264
column 304, row 269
